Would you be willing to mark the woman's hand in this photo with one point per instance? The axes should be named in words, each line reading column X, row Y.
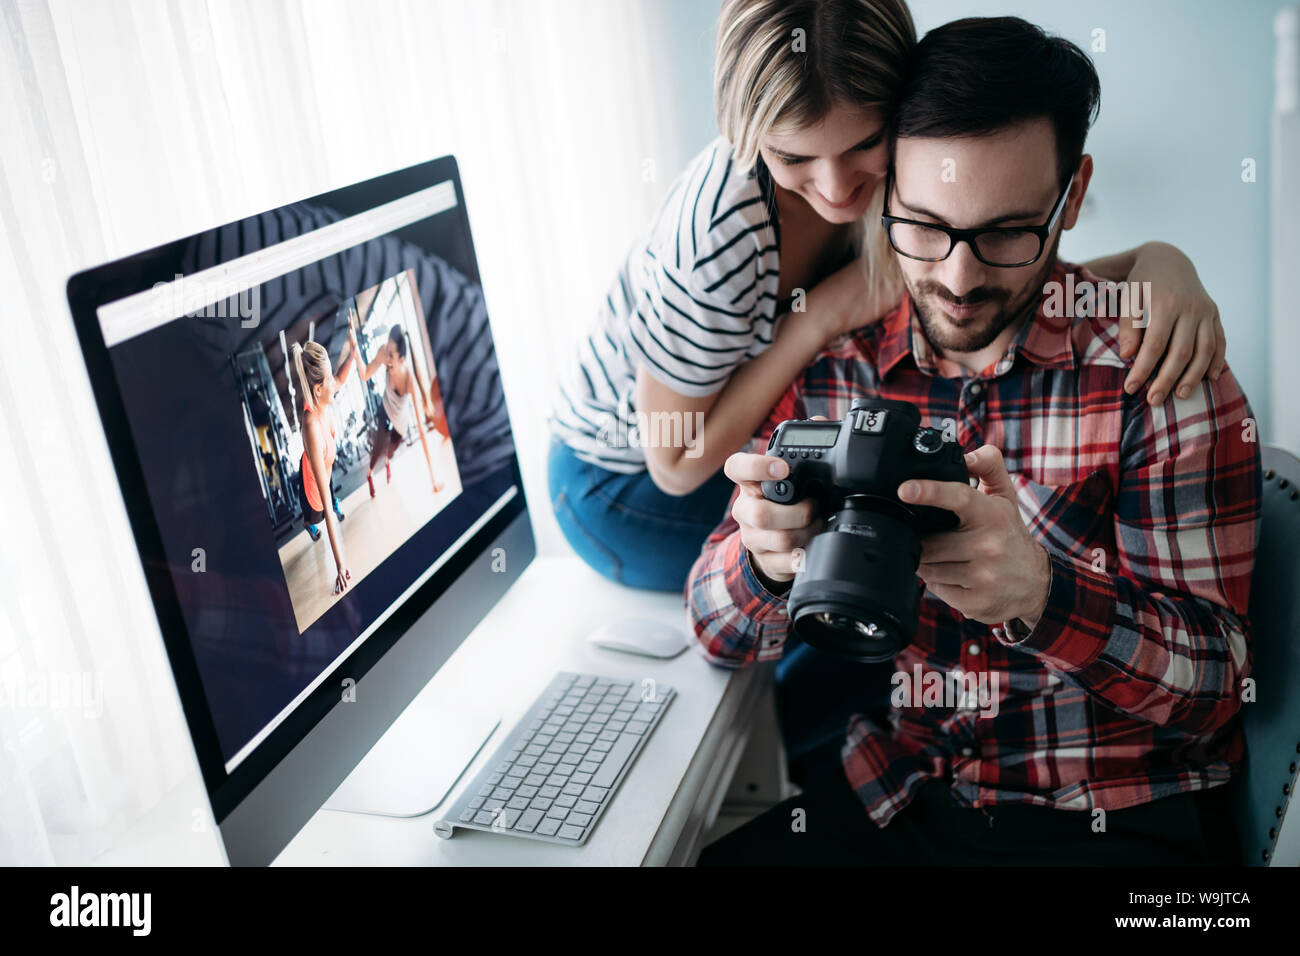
column 1182, row 325
column 341, row 580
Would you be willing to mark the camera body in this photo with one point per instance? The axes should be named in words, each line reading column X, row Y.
column 856, row 593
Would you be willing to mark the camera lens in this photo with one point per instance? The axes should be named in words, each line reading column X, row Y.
column 856, row 595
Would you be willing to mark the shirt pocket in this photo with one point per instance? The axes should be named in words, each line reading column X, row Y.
column 1074, row 520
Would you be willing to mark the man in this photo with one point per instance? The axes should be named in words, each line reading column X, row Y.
column 1098, row 580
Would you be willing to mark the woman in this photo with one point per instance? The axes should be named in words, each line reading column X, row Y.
column 786, row 200
column 318, row 388
column 400, row 390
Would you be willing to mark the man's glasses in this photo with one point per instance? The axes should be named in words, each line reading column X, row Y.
column 1003, row 248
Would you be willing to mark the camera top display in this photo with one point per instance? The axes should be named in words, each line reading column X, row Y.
column 878, row 445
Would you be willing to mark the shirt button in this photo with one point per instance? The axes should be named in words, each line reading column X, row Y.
column 966, row 751
column 976, row 388
column 974, row 649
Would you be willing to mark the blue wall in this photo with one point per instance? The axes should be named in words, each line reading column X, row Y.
column 1186, row 96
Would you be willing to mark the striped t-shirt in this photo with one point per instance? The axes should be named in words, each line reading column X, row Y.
column 693, row 301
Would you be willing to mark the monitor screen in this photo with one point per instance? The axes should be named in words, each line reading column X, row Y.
column 303, row 394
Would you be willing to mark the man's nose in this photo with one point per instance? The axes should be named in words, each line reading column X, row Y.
column 961, row 271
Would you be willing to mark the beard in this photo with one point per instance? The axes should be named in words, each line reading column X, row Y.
column 1012, row 306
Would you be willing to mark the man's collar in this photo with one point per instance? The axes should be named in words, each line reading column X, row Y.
column 1043, row 341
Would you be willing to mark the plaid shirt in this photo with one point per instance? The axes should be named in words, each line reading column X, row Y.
column 1127, row 690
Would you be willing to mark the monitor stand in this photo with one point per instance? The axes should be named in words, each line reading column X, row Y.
column 414, row 766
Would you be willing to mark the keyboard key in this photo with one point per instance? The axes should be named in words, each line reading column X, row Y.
column 525, row 762
column 588, row 767
column 491, row 805
column 571, row 759
column 549, row 792
column 507, row 818
column 503, row 793
column 586, row 806
column 527, row 791
column 595, row 794
column 565, row 739
column 609, row 770
column 483, row 818
column 495, row 778
column 476, row 803
column 518, row 803
column 533, row 750
column 548, row 827
column 558, row 812
column 541, row 803
column 586, row 738
column 637, row 726
column 486, row 791
column 535, row 779
column 616, row 725
column 570, row 832
column 582, row 778
column 512, row 780
column 466, row 816
column 602, row 745
column 578, row 819
column 529, row 820
column 563, row 770
column 573, row 789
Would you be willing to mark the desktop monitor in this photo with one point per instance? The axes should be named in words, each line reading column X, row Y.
column 249, row 489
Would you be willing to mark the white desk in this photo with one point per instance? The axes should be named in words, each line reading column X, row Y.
column 672, row 790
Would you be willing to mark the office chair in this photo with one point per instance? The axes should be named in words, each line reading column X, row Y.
column 1272, row 721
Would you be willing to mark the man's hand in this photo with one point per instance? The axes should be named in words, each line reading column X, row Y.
column 990, row 569
column 774, row 534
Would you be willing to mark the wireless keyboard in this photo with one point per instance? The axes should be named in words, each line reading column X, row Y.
column 559, row 767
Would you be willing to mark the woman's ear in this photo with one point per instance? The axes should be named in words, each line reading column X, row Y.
column 1078, row 189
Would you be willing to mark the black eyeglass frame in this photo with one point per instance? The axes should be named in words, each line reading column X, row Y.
column 969, row 236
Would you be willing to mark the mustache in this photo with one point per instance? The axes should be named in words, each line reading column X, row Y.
column 973, row 297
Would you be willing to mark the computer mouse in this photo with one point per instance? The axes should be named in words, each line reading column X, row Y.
column 640, row 636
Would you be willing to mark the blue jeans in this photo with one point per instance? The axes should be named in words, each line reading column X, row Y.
column 625, row 527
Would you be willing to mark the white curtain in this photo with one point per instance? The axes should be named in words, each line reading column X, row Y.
column 127, row 124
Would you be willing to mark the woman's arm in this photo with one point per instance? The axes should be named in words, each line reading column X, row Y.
column 732, row 415
column 1182, row 321
column 408, row 393
column 311, row 440
column 346, row 366
column 366, row 371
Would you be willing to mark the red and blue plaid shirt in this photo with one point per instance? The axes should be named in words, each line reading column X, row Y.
column 1128, row 688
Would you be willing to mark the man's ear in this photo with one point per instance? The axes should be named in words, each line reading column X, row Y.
column 1078, row 189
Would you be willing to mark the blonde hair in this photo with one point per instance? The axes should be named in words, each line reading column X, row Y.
column 313, row 364
column 781, row 65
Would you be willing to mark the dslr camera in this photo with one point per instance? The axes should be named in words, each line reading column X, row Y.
column 856, row 593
